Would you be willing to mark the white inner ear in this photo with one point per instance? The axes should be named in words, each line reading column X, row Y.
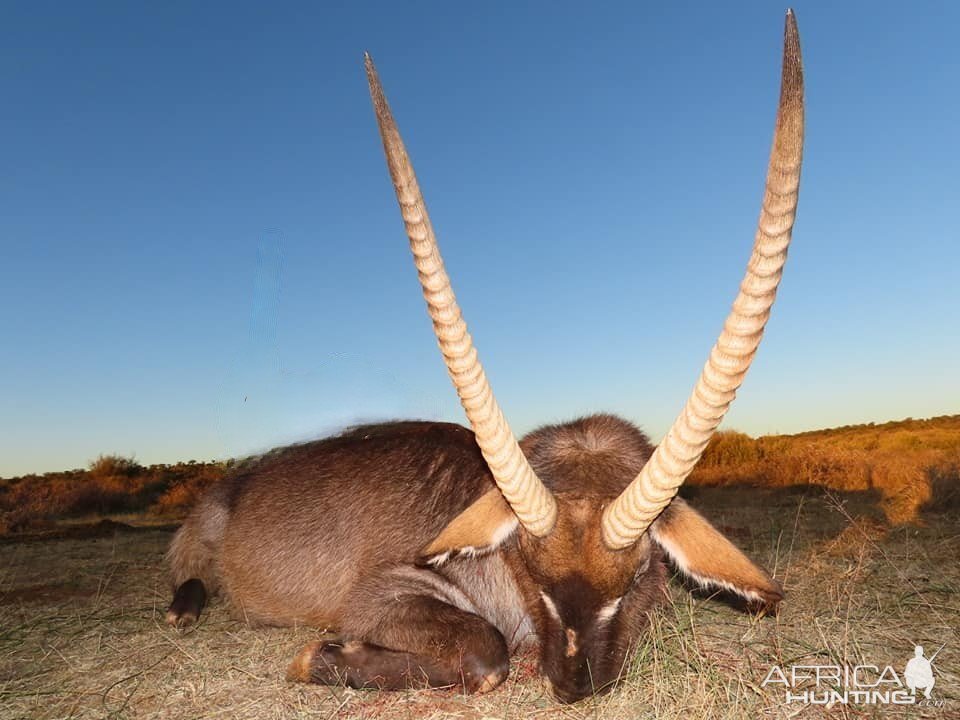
column 683, row 565
column 503, row 532
column 497, row 538
column 438, row 560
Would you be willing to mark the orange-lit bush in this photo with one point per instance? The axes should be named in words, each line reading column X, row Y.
column 914, row 464
column 111, row 485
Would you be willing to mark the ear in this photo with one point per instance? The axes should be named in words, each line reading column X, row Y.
column 702, row 553
column 479, row 529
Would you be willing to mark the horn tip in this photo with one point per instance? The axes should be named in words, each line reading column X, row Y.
column 792, row 73
column 376, row 90
column 791, row 35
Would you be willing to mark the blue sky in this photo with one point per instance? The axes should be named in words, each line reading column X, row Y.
column 202, row 254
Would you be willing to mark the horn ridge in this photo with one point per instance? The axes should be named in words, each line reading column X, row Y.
column 629, row 516
column 530, row 499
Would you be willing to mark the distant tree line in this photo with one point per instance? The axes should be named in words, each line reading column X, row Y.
column 912, row 465
column 111, row 485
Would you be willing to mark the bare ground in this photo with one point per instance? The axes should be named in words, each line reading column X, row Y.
column 82, row 632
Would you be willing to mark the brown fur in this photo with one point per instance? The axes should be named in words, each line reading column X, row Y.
column 395, row 537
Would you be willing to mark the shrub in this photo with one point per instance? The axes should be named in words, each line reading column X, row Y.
column 180, row 497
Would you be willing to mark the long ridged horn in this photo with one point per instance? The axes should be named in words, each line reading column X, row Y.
column 628, row 517
column 530, row 499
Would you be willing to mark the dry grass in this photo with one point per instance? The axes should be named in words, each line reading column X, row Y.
column 82, row 633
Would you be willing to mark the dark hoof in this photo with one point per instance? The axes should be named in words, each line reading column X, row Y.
column 481, row 676
column 188, row 601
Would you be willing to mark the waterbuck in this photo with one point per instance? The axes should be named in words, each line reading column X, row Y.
column 432, row 550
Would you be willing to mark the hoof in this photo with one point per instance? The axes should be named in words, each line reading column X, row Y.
column 180, row 619
column 188, row 601
column 318, row 662
column 482, row 677
column 490, row 681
